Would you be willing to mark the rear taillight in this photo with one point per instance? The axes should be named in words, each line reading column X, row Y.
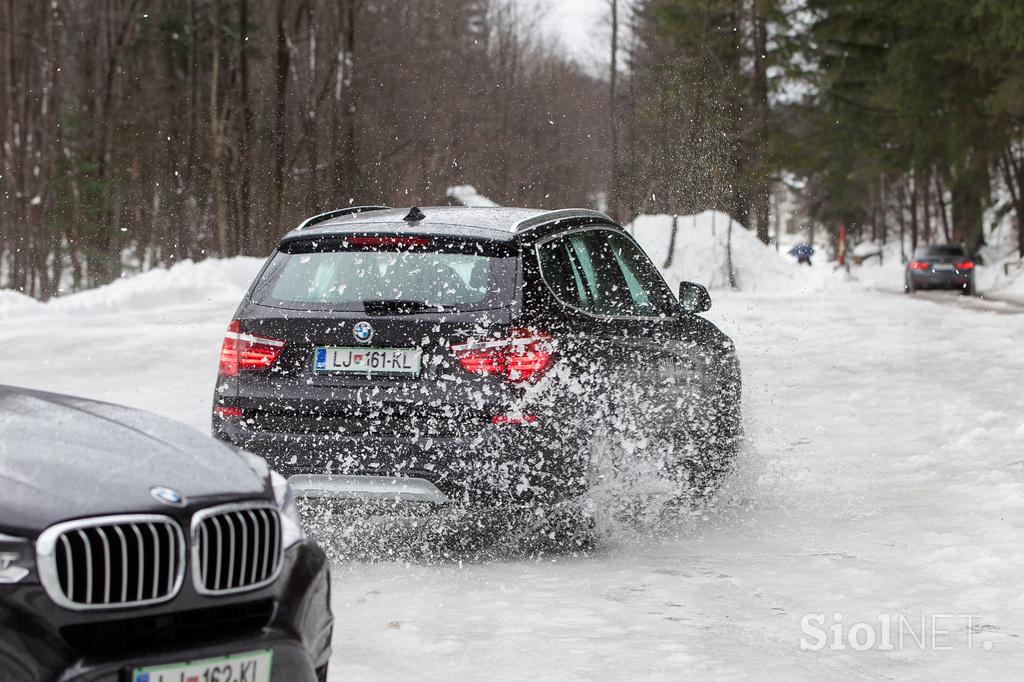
column 523, row 356
column 919, row 265
column 227, row 412
column 966, row 265
column 245, row 352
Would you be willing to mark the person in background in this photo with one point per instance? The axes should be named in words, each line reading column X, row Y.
column 803, row 253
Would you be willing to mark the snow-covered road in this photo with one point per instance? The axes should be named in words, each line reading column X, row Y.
column 884, row 481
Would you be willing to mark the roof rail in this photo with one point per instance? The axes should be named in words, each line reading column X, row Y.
column 337, row 213
column 557, row 216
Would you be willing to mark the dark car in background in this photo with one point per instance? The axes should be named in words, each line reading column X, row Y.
column 945, row 266
column 134, row 549
column 481, row 358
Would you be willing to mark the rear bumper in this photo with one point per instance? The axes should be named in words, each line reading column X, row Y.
column 489, row 465
column 397, row 488
column 940, row 279
column 292, row 617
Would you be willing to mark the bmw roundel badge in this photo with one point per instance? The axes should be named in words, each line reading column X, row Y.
column 167, row 496
column 363, row 332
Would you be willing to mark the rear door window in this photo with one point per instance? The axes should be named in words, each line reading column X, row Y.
column 604, row 273
column 939, row 252
column 367, row 273
column 651, row 296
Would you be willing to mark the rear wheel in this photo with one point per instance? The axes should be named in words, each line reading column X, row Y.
column 908, row 287
column 969, row 289
column 630, row 483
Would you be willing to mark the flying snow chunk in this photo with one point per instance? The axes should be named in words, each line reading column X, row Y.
column 466, row 195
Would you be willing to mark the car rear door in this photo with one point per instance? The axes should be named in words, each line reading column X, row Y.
column 628, row 317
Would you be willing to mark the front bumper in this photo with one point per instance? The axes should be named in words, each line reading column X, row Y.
column 41, row 641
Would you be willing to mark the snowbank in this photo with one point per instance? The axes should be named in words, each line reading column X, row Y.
column 700, row 255
column 14, row 302
column 185, row 282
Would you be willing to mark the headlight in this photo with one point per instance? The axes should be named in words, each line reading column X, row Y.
column 17, row 559
column 291, row 522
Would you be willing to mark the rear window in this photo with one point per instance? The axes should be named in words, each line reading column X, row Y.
column 938, row 251
column 381, row 273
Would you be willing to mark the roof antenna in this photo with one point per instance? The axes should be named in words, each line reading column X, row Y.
column 415, row 215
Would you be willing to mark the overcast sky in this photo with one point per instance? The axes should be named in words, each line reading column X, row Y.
column 582, row 26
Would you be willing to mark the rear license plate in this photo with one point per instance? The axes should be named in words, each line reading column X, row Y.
column 943, row 266
column 253, row 666
column 367, row 360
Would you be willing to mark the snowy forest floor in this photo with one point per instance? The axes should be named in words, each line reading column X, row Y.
column 883, row 477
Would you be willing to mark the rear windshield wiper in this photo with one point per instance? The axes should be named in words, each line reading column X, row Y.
column 403, row 307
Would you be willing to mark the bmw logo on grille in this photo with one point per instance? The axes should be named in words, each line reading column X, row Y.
column 167, row 496
column 363, row 332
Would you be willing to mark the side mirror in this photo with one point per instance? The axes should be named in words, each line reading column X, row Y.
column 694, row 298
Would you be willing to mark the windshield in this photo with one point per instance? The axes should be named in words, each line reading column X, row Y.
column 389, row 278
column 939, row 251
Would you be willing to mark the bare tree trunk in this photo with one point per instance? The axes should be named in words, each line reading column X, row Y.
column 110, row 239
column 883, row 194
column 246, row 129
column 971, row 188
column 926, row 205
column 900, row 201
column 14, row 143
column 940, row 197
column 729, row 270
column 48, row 140
column 739, row 208
column 778, row 221
column 760, row 96
column 216, row 135
column 309, row 122
column 1013, row 176
column 188, row 226
column 280, row 121
column 613, row 116
column 74, row 232
column 350, row 179
column 671, row 243
column 913, row 181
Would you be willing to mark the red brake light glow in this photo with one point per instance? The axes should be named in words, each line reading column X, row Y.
column 966, row 265
column 919, row 265
column 245, row 352
column 521, row 357
column 388, row 241
column 225, row 411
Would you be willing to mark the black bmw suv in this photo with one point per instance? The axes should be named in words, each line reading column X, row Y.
column 135, row 549
column 483, row 358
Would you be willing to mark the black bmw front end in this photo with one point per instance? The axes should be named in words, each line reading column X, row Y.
column 132, row 549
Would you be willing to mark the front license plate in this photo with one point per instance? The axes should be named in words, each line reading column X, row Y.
column 367, row 360
column 253, row 666
column 943, row 266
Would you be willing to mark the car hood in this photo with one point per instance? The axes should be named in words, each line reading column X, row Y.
column 63, row 457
